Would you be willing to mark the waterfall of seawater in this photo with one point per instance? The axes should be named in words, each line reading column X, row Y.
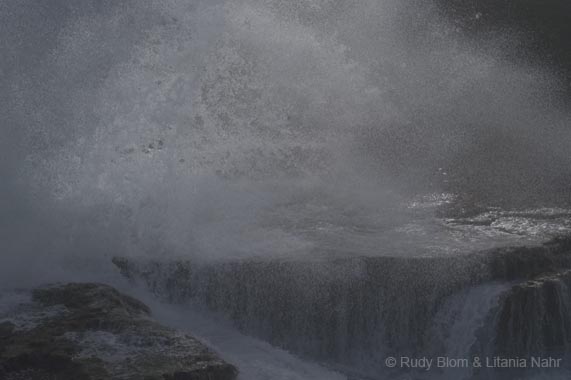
column 353, row 313
column 458, row 324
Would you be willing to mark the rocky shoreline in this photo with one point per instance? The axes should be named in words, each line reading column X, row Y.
column 89, row 331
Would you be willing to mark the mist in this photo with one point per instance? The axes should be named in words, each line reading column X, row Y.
column 198, row 128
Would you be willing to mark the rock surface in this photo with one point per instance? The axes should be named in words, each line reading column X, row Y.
column 93, row 332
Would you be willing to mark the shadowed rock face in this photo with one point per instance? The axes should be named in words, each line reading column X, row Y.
column 92, row 332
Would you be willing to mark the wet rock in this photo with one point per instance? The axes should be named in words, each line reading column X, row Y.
column 93, row 332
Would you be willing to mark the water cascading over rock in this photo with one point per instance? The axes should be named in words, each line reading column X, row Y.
column 356, row 311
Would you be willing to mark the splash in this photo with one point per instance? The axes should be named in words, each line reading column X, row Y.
column 220, row 129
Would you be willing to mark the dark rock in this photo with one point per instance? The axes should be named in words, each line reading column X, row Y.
column 93, row 332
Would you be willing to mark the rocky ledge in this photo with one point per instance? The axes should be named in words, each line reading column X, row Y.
column 93, row 332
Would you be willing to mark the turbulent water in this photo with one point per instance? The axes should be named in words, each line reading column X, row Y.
column 304, row 131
